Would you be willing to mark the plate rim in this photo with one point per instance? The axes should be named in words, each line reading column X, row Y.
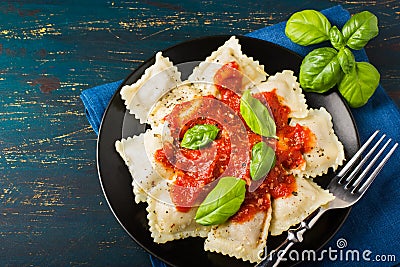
column 147, row 63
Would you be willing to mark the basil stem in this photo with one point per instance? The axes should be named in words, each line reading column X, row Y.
column 222, row 202
column 256, row 115
column 199, row 136
column 262, row 160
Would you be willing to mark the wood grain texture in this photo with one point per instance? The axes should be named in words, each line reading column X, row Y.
column 52, row 210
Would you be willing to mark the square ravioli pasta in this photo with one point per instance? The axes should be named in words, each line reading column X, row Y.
column 202, row 130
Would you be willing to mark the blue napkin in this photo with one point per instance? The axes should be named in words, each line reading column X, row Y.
column 372, row 228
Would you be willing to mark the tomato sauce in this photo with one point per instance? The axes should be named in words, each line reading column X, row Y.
column 229, row 154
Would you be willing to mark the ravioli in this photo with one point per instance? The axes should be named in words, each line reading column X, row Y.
column 241, row 240
column 328, row 151
column 182, row 93
column 153, row 98
column 289, row 211
column 288, row 89
column 166, row 223
column 157, row 80
column 231, row 51
column 144, row 174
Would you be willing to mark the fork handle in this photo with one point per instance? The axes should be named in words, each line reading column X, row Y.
column 294, row 236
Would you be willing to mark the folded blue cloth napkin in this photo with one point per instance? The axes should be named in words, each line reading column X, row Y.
column 373, row 224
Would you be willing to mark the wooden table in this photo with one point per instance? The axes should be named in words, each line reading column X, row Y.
column 52, row 209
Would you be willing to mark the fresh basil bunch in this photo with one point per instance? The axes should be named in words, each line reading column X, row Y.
column 325, row 67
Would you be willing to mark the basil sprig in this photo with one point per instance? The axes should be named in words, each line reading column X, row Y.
column 323, row 68
column 222, row 202
column 262, row 160
column 199, row 136
column 256, row 115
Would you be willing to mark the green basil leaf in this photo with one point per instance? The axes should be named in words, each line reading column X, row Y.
column 256, row 115
column 307, row 27
column 262, row 160
column 336, row 38
column 346, row 60
column 360, row 84
column 359, row 29
column 222, row 202
column 320, row 70
column 199, row 136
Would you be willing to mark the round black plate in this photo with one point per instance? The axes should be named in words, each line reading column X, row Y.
column 116, row 180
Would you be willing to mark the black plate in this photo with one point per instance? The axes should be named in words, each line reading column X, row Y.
column 116, row 180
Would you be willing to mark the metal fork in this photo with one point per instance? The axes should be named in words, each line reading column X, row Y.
column 347, row 189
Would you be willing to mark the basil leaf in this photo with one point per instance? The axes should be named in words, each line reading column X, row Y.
column 199, row 136
column 262, row 160
column 359, row 85
column 346, row 60
column 336, row 38
column 222, row 202
column 256, row 115
column 307, row 27
column 320, row 70
column 359, row 29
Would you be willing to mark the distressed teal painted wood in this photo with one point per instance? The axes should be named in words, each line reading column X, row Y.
column 52, row 210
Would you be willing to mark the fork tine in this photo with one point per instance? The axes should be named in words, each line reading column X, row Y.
column 356, row 156
column 369, row 166
column 361, row 164
column 370, row 179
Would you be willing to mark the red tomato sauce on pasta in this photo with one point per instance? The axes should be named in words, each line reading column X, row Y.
column 228, row 154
